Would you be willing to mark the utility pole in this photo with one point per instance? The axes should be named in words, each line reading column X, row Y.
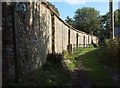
column 119, row 8
column 111, row 19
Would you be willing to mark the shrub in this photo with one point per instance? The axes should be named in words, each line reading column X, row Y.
column 113, row 48
column 55, row 58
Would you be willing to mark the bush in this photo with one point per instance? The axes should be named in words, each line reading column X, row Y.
column 113, row 48
column 55, row 58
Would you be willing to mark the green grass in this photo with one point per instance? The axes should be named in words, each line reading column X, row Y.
column 72, row 57
column 48, row 75
column 98, row 75
column 91, row 59
column 54, row 75
column 71, row 65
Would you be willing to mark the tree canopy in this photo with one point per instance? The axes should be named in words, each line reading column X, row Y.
column 86, row 19
column 105, row 23
column 116, row 18
column 69, row 21
column 105, row 26
column 89, row 20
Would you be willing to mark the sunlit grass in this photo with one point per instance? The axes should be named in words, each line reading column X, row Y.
column 98, row 75
column 90, row 58
column 70, row 58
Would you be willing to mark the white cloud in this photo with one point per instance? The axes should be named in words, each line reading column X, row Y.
column 75, row 2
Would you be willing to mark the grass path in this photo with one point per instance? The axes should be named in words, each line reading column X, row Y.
column 90, row 70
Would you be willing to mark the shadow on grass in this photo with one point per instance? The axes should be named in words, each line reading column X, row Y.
column 92, row 64
column 47, row 75
column 52, row 73
column 55, row 73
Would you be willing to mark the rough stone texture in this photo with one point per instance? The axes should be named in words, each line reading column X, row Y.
column 61, row 36
column 73, row 38
column 7, row 42
column 46, row 19
column 65, row 37
column 58, row 35
column 34, row 37
column 80, row 39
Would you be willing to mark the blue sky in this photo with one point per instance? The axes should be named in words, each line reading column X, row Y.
column 67, row 9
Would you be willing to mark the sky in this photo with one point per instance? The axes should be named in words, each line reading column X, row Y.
column 68, row 8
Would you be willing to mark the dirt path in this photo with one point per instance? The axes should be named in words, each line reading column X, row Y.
column 114, row 75
column 81, row 78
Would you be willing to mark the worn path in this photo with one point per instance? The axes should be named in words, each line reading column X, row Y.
column 81, row 78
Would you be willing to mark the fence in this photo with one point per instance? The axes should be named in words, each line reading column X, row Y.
column 29, row 36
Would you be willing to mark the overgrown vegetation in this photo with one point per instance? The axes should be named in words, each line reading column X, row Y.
column 53, row 73
column 113, row 51
column 70, row 58
column 55, row 58
column 48, row 75
column 54, row 8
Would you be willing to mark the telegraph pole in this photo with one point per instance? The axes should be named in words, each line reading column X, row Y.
column 111, row 19
column 119, row 8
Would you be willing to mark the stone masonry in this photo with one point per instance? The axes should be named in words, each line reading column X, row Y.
column 38, row 31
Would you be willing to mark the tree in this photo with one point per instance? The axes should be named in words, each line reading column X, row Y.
column 105, row 25
column 54, row 8
column 69, row 21
column 87, row 19
column 116, row 18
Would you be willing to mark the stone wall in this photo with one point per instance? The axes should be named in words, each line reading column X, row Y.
column 95, row 39
column 33, row 36
column 38, row 31
column 8, row 64
column 58, row 35
column 73, row 37
column 65, row 37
